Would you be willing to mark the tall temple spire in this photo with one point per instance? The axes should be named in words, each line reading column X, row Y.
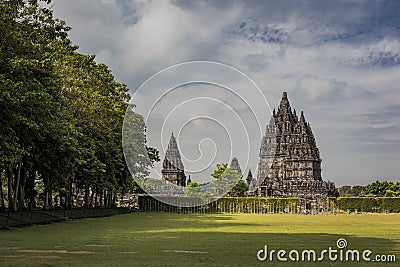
column 173, row 169
column 302, row 117
column 296, row 164
column 284, row 117
column 284, row 105
column 173, row 155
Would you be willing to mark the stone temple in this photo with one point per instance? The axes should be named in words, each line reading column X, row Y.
column 289, row 147
column 173, row 170
column 235, row 166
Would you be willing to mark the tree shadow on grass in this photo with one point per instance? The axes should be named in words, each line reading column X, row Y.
column 158, row 239
column 206, row 249
column 173, row 221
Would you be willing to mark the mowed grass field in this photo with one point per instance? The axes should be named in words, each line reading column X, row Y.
column 166, row 239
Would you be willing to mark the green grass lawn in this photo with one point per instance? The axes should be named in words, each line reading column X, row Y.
column 165, row 239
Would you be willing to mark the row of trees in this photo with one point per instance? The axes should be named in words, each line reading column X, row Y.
column 226, row 182
column 61, row 116
column 375, row 189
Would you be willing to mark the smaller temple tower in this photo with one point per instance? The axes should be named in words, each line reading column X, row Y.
column 249, row 177
column 235, row 166
column 173, row 170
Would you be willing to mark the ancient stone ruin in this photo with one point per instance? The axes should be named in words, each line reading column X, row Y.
column 173, row 170
column 289, row 147
column 289, row 161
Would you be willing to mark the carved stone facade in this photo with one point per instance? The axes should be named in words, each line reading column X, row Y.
column 173, row 170
column 289, row 147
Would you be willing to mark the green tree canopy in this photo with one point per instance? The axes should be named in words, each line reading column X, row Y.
column 193, row 189
column 228, row 181
column 61, row 114
column 387, row 189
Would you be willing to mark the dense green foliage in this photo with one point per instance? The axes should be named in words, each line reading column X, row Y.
column 361, row 204
column 228, row 182
column 349, row 191
column 221, row 205
column 267, row 205
column 389, row 204
column 192, row 189
column 369, row 204
column 387, row 189
column 375, row 189
column 61, row 116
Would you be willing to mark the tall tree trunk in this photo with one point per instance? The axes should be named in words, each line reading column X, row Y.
column 91, row 199
column 87, row 196
column 32, row 200
column 3, row 207
column 101, row 198
column 96, row 198
column 67, row 197
column 30, row 192
column 114, row 197
column 46, row 193
column 16, row 186
column 70, row 195
column 105, row 198
column 21, row 190
column 109, row 197
column 10, row 187
column 61, row 202
column 50, row 195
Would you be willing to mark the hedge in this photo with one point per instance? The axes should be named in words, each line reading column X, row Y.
column 357, row 203
column 227, row 205
column 369, row 204
column 267, row 205
column 390, row 204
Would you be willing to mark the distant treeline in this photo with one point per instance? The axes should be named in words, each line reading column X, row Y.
column 375, row 189
column 368, row 204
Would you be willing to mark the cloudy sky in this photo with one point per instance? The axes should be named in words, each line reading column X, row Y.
column 339, row 61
